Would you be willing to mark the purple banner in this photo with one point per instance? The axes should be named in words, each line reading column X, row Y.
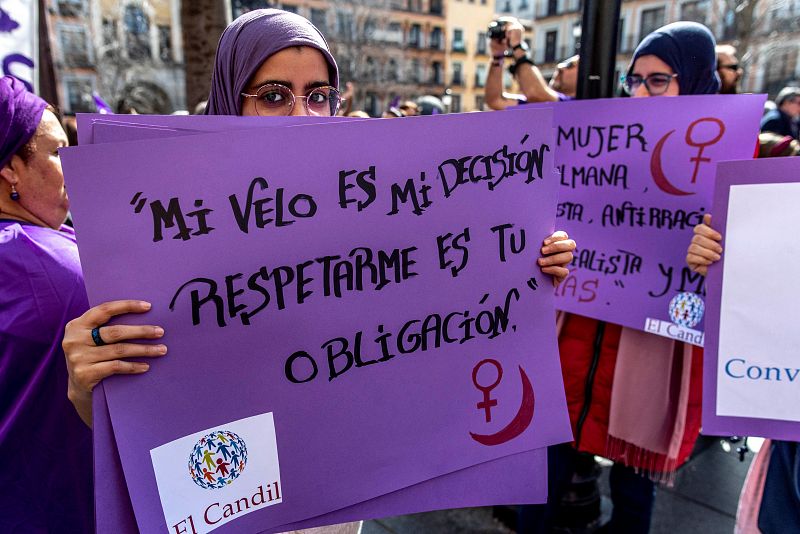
column 378, row 269
column 750, row 367
column 636, row 176
column 516, row 479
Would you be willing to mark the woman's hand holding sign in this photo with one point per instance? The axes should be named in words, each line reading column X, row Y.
column 704, row 248
column 556, row 256
column 94, row 351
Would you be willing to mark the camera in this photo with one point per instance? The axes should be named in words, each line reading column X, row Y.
column 497, row 30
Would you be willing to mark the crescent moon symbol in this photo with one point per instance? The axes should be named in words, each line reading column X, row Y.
column 658, row 172
column 520, row 422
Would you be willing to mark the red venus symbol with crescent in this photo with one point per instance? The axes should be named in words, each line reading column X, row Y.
column 656, row 166
column 524, row 416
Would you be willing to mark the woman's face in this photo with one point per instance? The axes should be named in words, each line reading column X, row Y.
column 40, row 181
column 300, row 68
column 648, row 65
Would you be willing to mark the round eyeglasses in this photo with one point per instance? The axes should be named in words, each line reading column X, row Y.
column 655, row 83
column 275, row 99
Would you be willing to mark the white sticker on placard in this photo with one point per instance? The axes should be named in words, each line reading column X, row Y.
column 219, row 474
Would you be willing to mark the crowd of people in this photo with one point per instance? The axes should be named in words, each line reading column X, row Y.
column 55, row 349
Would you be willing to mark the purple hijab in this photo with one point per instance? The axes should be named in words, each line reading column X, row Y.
column 20, row 114
column 247, row 43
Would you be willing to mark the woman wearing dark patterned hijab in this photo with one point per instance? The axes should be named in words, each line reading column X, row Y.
column 683, row 52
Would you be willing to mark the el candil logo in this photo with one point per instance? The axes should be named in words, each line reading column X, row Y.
column 217, row 459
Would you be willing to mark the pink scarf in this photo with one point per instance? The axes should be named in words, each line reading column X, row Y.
column 752, row 492
column 649, row 402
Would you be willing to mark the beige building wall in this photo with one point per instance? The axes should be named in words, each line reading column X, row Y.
column 391, row 50
column 467, row 52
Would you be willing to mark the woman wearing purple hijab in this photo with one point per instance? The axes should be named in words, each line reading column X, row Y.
column 45, row 449
column 266, row 61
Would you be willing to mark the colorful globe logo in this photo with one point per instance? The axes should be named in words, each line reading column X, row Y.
column 686, row 309
column 217, row 459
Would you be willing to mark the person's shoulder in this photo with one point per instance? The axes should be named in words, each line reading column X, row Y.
column 772, row 119
column 40, row 253
column 28, row 239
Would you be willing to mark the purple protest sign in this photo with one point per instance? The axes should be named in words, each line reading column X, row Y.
column 480, row 485
column 284, row 393
column 636, row 176
column 187, row 124
column 750, row 367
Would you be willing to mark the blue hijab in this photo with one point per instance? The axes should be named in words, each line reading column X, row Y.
column 687, row 47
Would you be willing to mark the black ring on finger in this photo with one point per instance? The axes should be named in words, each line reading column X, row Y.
column 96, row 337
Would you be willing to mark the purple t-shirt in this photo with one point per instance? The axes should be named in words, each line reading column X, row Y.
column 45, row 449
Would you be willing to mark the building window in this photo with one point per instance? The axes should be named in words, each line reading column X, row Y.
column 414, row 36
column 550, row 40
column 458, row 79
column 437, row 78
column 436, row 39
column 480, row 75
column 395, row 33
column 165, row 44
column 455, row 104
column 137, row 28
column 506, row 6
column 458, row 41
column 479, row 102
column 372, row 105
column 74, row 46
column 370, row 70
column 392, row 73
column 694, row 11
column 289, row 7
column 344, row 25
column 481, row 43
column 416, row 71
column 109, row 32
column 319, row 18
column 79, row 96
column 552, row 8
column 436, row 7
column 370, row 28
column 240, row 7
column 652, row 19
column 71, row 8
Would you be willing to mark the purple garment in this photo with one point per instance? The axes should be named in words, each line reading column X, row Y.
column 561, row 98
column 247, row 42
column 20, row 115
column 45, row 449
column 687, row 47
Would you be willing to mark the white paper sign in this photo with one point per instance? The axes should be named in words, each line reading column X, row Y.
column 759, row 340
column 218, row 474
column 19, row 51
